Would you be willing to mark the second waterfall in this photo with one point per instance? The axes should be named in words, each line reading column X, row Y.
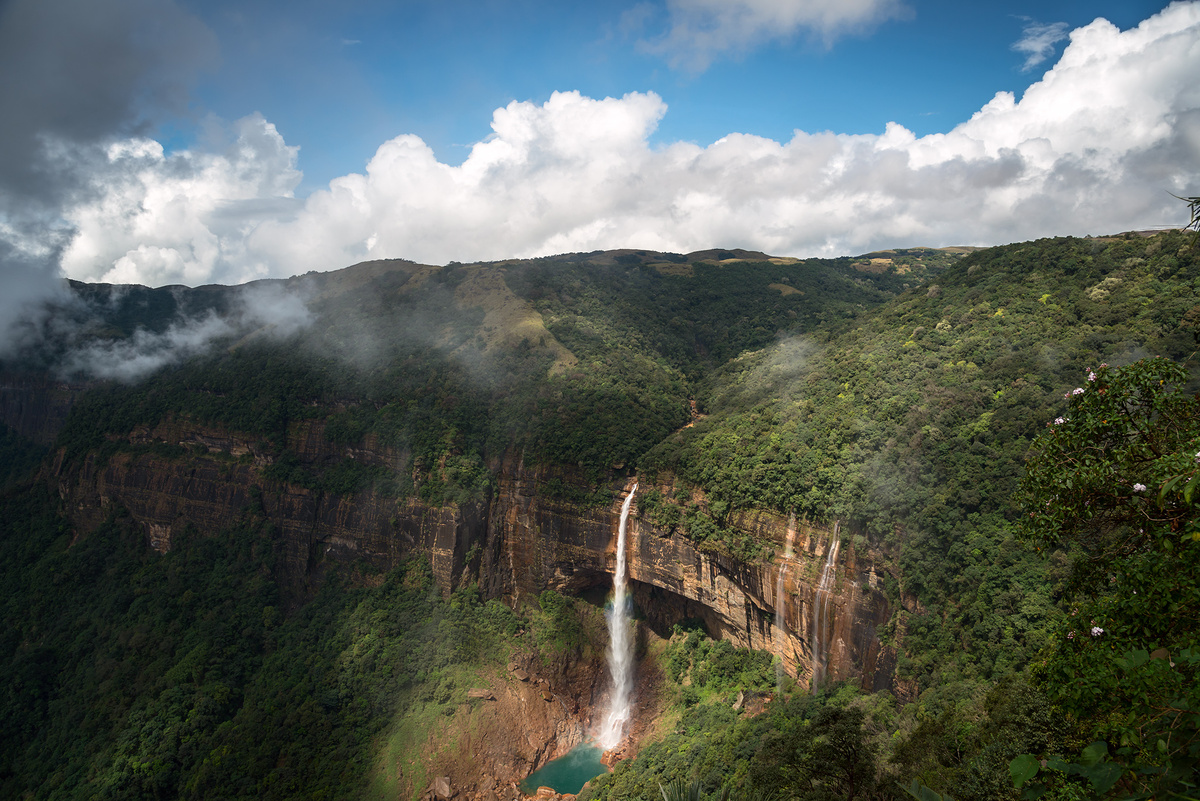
column 821, row 609
column 620, row 645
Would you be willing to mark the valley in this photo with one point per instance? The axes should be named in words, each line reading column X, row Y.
column 350, row 559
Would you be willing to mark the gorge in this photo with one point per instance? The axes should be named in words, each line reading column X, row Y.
column 392, row 530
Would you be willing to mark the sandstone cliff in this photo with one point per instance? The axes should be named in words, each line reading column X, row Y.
column 535, row 542
column 519, row 543
column 35, row 405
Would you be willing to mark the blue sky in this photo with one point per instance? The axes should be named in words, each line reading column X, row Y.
column 174, row 142
column 338, row 79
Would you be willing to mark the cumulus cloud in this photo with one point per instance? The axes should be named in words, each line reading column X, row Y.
column 1038, row 40
column 1093, row 147
column 77, row 76
column 701, row 30
column 184, row 218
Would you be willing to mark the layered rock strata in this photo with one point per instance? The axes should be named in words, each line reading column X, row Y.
column 519, row 543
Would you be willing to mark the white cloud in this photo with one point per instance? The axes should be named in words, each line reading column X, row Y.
column 1038, row 40
column 183, row 218
column 701, row 30
column 1093, row 147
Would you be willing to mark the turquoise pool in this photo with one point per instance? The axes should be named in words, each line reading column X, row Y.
column 568, row 773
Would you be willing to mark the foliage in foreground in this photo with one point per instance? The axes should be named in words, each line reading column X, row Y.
column 1114, row 481
column 839, row 743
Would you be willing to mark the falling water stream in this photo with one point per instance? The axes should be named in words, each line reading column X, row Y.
column 780, row 621
column 820, row 609
column 620, row 645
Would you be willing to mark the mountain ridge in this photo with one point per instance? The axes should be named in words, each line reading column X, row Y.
column 487, row 418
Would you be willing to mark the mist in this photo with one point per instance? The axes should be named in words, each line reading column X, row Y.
column 255, row 310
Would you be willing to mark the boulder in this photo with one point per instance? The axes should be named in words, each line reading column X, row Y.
column 441, row 788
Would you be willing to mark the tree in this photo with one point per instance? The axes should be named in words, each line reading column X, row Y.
column 1194, row 208
column 826, row 757
column 1112, row 482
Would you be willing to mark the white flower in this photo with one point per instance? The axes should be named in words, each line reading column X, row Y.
column 1058, row 421
column 1091, row 376
column 1139, row 487
column 1097, row 631
column 1197, row 457
column 1077, row 391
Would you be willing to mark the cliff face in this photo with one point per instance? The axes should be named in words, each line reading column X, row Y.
column 534, row 542
column 520, row 543
column 35, row 405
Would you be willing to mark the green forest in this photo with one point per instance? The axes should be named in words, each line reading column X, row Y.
column 1014, row 430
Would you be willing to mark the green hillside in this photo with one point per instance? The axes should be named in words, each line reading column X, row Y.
column 901, row 393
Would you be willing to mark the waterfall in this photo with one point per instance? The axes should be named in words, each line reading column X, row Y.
column 620, row 645
column 780, row 622
column 820, row 609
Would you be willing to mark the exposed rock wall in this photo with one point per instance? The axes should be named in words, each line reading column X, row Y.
column 520, row 543
column 35, row 405
column 534, row 543
column 220, row 481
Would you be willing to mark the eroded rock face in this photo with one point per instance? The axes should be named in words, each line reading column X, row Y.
column 535, row 542
column 35, row 405
column 535, row 710
column 523, row 541
column 220, row 480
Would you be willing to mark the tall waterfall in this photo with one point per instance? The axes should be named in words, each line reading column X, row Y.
column 820, row 609
column 620, row 645
column 780, row 621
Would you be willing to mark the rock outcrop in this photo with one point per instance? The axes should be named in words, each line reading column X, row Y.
column 521, row 542
column 536, row 542
column 35, row 405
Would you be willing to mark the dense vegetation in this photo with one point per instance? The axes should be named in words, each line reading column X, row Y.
column 901, row 393
column 407, row 359
column 129, row 674
column 915, row 424
column 838, row 743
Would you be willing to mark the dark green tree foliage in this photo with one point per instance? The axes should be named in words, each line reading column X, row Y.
column 696, row 661
column 900, row 419
column 804, row 747
column 130, row 675
column 807, row 748
column 915, row 423
column 825, row 756
column 18, row 457
column 697, row 316
column 1113, row 481
column 961, row 745
column 834, row 745
column 643, row 336
column 133, row 653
